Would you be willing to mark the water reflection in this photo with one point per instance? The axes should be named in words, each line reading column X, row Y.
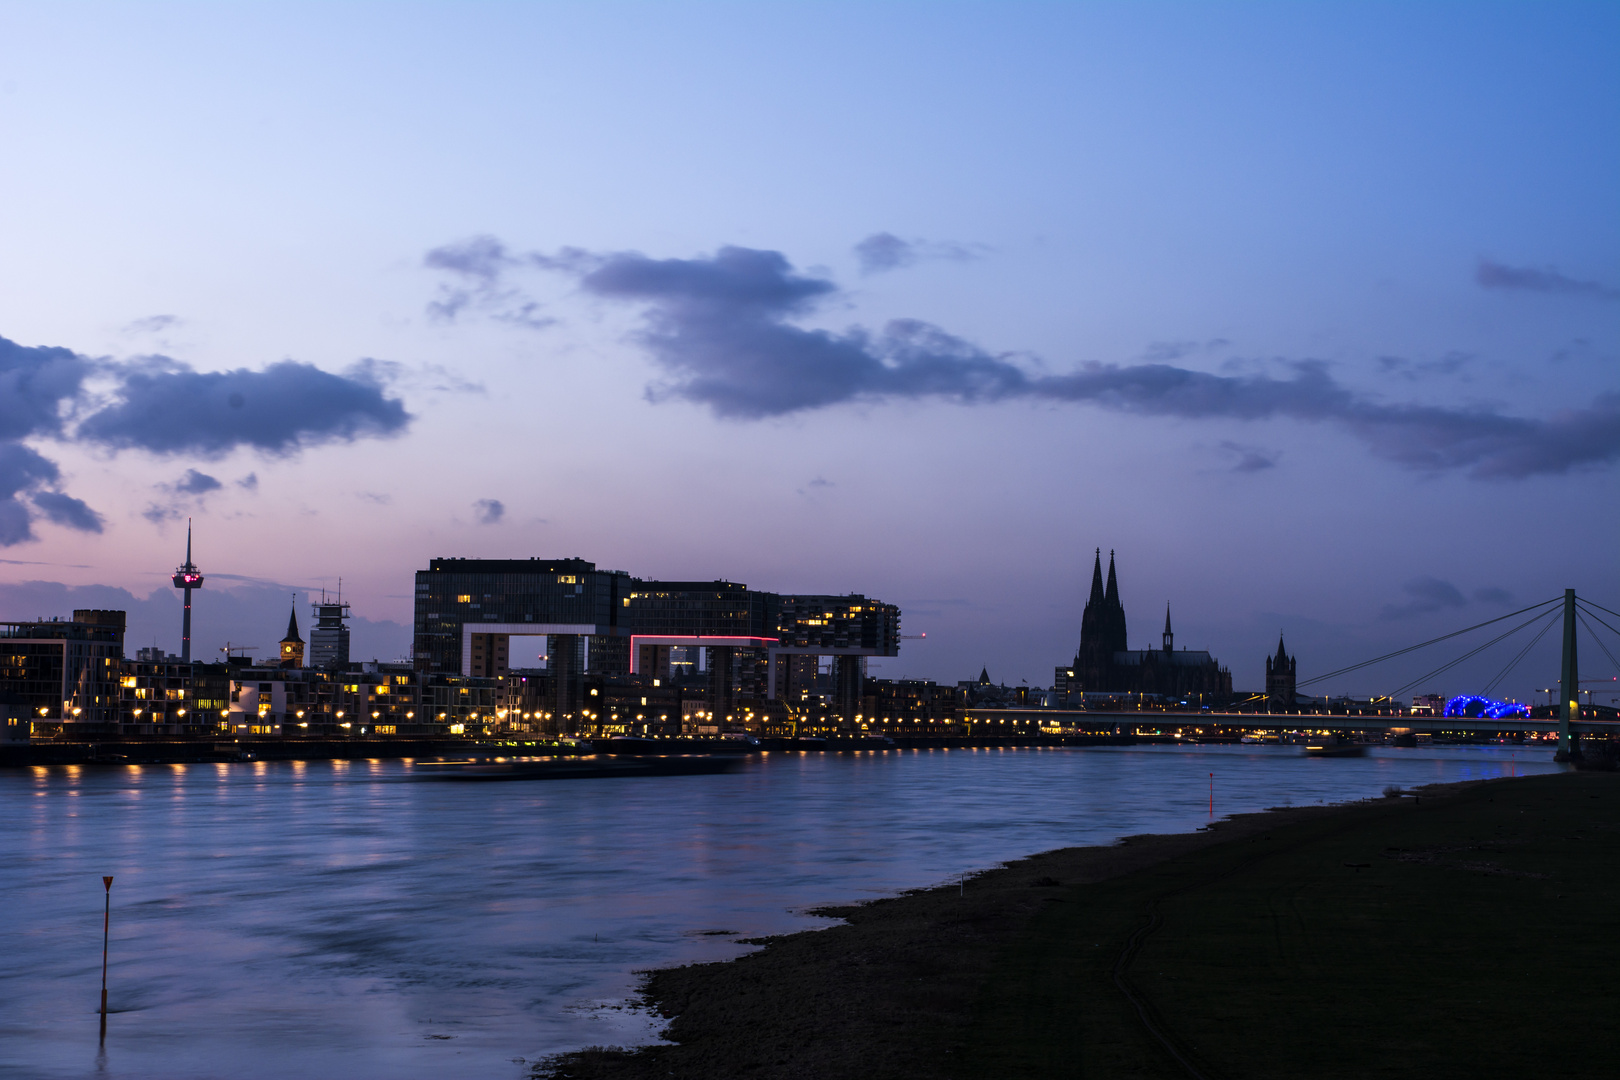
column 347, row 919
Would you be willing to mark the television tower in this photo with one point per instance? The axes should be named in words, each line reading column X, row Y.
column 186, row 578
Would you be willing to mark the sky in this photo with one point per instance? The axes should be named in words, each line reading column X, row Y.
column 1308, row 312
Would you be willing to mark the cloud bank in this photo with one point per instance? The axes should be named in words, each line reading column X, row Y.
column 884, row 251
column 722, row 328
column 164, row 407
column 1426, row 595
column 1493, row 275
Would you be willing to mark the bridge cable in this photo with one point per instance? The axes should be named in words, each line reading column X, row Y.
column 1599, row 619
column 1443, row 668
column 1515, row 661
column 1431, row 641
column 1599, row 641
column 1600, row 607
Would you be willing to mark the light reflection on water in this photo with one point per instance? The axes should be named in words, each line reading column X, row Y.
column 340, row 919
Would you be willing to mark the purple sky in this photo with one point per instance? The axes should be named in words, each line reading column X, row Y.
column 1311, row 312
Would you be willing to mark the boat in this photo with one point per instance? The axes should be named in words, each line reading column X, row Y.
column 581, row 767
column 1332, row 746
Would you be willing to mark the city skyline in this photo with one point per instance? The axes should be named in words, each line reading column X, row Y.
column 1310, row 314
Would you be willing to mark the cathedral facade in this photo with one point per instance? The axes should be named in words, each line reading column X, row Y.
column 1105, row 664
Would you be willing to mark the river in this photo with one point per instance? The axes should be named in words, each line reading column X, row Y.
column 354, row 920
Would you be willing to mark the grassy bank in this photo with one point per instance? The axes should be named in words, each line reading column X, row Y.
column 1471, row 932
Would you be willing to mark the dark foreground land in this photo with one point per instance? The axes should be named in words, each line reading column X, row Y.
column 1472, row 932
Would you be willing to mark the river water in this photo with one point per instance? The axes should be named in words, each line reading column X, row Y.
column 354, row 920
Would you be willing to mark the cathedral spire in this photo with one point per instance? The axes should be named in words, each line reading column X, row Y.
column 1169, row 635
column 1096, row 580
column 1114, row 613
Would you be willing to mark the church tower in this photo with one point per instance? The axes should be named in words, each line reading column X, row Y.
column 1169, row 635
column 292, row 646
column 1102, row 630
column 1280, row 676
column 1115, row 613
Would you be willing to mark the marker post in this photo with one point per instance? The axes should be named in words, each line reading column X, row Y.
column 106, row 926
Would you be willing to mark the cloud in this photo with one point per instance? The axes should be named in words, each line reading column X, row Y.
column 152, row 324
column 1425, row 595
column 1493, row 595
column 477, row 266
column 250, row 482
column 22, row 471
column 1250, row 458
column 167, row 408
column 29, row 487
column 722, row 328
column 813, row 485
column 163, row 406
column 64, row 509
column 35, row 384
column 194, row 483
column 1412, row 371
column 885, row 251
column 719, row 328
column 1492, row 275
column 489, row 511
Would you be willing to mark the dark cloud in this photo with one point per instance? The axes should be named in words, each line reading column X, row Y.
column 1493, row 595
column 1250, row 458
column 35, row 385
column 27, row 477
column 250, row 482
column 723, row 330
column 489, row 511
column 1424, row 596
column 719, row 328
column 195, row 483
column 886, row 251
column 64, row 509
column 164, row 406
column 167, row 408
column 22, row 471
column 1493, row 275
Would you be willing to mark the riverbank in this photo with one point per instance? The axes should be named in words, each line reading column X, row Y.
column 1468, row 931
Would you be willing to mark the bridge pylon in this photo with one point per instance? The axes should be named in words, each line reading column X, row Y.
column 1569, row 685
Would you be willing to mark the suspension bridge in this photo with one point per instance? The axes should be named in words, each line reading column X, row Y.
column 1477, row 712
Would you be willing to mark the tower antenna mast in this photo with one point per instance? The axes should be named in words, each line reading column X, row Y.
column 185, row 579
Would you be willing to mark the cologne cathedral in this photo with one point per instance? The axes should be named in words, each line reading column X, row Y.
column 1105, row 664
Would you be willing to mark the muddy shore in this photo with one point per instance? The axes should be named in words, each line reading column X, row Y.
column 907, row 986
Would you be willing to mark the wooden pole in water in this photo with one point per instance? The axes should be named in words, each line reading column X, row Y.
column 106, row 926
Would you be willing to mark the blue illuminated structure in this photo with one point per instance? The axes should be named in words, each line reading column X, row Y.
column 1473, row 706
